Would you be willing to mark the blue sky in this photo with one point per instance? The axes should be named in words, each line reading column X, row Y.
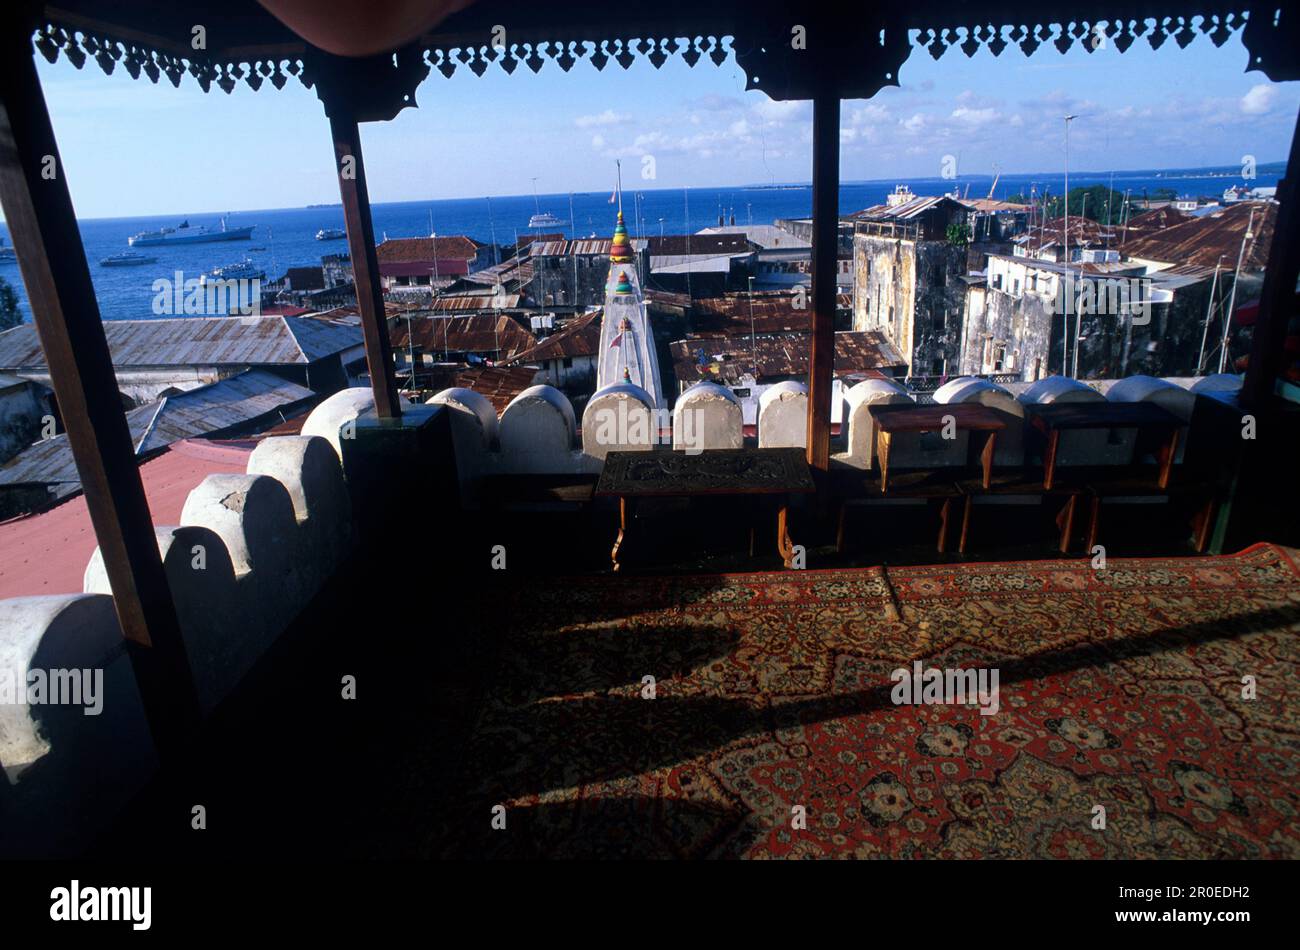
column 133, row 148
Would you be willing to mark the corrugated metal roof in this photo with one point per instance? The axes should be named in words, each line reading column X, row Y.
column 785, row 354
column 1204, row 240
column 47, row 553
column 766, row 236
column 476, row 333
column 221, row 407
column 773, row 312
column 199, row 341
column 581, row 337
column 500, row 384
column 904, row 211
column 418, row 249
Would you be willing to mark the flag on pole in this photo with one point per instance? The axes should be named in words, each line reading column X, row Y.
column 617, row 341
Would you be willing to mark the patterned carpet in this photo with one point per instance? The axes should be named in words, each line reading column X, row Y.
column 1121, row 688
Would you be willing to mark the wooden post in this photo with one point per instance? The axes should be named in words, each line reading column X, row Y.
column 825, row 265
column 1277, row 296
column 365, row 262
column 41, row 219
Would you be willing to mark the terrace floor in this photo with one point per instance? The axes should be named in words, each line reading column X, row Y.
column 523, row 687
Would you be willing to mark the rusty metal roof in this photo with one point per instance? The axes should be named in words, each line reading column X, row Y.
column 580, row 337
column 992, row 205
column 905, row 211
column 784, row 354
column 1157, row 219
column 229, row 406
column 476, row 333
column 199, row 341
column 500, row 384
column 473, row 302
column 1206, row 239
column 772, row 312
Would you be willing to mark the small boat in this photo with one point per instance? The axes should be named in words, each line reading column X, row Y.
column 330, row 234
column 127, row 259
column 241, row 270
column 544, row 219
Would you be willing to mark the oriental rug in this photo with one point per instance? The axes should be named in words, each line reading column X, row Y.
column 754, row 715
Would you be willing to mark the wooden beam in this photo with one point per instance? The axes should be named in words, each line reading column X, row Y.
column 825, row 265
column 365, row 262
column 42, row 222
column 1277, row 296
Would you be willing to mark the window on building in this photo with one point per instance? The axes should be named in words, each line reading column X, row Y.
column 568, row 362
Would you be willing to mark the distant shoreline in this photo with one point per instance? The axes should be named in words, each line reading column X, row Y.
column 1220, row 172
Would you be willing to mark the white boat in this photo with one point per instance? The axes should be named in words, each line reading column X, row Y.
column 330, row 234
column 127, row 259
column 184, row 234
column 544, row 219
column 241, row 270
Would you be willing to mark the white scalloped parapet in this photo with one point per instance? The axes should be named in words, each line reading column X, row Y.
column 783, row 416
column 1181, row 402
column 708, row 416
column 538, row 431
column 1080, row 446
column 1052, row 389
column 333, row 413
column 475, row 434
column 861, row 451
column 1218, row 383
column 71, row 772
column 250, row 554
column 1010, row 450
column 619, row 418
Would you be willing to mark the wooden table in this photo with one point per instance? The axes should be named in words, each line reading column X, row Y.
column 667, row 473
column 894, row 418
column 1054, row 418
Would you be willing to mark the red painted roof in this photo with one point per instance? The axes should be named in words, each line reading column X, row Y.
column 47, row 553
column 444, row 267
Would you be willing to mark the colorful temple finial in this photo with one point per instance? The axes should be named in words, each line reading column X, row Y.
column 623, row 286
column 627, row 377
column 620, row 251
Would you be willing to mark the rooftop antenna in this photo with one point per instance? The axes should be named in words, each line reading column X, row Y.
column 618, row 163
column 536, row 204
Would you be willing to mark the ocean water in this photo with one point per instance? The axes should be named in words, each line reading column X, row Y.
column 285, row 237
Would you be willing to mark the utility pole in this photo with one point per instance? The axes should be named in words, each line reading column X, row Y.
column 1065, row 317
column 1209, row 310
column 1232, row 295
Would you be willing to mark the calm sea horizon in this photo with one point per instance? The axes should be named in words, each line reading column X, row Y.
column 285, row 237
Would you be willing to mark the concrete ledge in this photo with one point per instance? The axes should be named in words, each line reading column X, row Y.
column 71, row 771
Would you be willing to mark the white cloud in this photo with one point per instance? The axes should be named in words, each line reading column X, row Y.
column 974, row 116
column 608, row 117
column 915, row 124
column 776, row 111
column 598, row 141
column 1259, row 100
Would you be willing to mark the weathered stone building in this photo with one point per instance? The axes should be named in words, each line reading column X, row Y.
column 909, row 263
